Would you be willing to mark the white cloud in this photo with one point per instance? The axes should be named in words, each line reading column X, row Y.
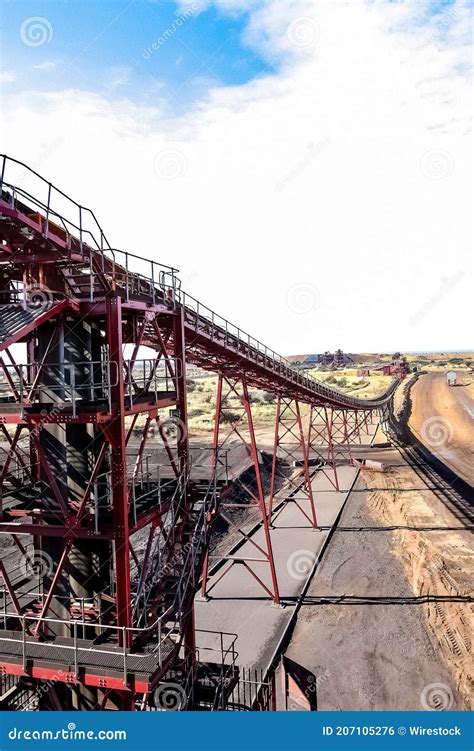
column 7, row 76
column 45, row 65
column 348, row 172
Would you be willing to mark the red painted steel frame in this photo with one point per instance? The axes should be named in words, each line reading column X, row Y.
column 115, row 432
column 238, row 422
column 85, row 283
column 289, row 444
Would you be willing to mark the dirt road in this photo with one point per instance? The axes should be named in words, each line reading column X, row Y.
column 442, row 418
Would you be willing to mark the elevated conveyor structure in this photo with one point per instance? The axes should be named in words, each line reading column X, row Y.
column 103, row 507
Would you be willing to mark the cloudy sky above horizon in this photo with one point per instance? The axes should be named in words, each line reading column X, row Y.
column 306, row 163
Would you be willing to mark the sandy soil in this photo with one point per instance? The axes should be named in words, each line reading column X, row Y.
column 370, row 644
column 442, row 418
column 436, row 554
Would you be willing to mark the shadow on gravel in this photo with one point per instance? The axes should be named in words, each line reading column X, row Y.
column 384, row 600
column 457, row 494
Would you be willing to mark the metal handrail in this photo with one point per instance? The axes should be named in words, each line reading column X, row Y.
column 66, row 387
column 230, row 650
column 101, row 243
column 245, row 343
column 257, row 347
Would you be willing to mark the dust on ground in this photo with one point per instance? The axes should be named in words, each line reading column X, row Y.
column 436, row 562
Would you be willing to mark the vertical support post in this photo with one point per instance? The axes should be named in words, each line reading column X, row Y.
column 330, row 439
column 215, row 446
column 346, row 432
column 180, row 377
column 357, row 425
column 189, row 636
column 289, row 438
column 321, row 440
column 116, row 434
column 275, row 459
column 305, row 450
column 260, row 493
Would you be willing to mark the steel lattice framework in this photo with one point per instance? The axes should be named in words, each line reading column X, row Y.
column 102, row 501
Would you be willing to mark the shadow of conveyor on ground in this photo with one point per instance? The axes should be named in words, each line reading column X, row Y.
column 453, row 491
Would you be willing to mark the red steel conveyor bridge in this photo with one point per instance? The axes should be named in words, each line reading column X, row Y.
column 112, row 542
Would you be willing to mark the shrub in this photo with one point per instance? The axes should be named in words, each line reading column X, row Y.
column 230, row 417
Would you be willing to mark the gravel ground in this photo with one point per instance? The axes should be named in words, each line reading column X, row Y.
column 375, row 654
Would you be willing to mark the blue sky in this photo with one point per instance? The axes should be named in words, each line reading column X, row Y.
column 336, row 139
column 107, row 47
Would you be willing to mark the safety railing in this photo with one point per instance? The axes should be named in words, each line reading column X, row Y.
column 221, row 331
column 165, row 629
column 73, row 654
column 53, row 204
column 145, row 377
column 150, row 488
column 160, row 283
column 19, row 470
column 187, row 567
column 60, row 216
column 23, row 570
column 69, row 385
column 221, row 649
column 64, row 385
column 191, row 569
column 159, row 634
column 34, row 297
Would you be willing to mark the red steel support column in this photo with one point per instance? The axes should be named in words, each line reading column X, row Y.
column 189, row 635
column 305, row 450
column 289, row 437
column 331, row 452
column 116, row 435
column 321, row 440
column 275, row 458
column 241, row 404
column 181, row 402
column 261, row 496
column 215, row 446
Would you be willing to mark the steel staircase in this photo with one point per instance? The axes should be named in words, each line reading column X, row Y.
column 17, row 320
